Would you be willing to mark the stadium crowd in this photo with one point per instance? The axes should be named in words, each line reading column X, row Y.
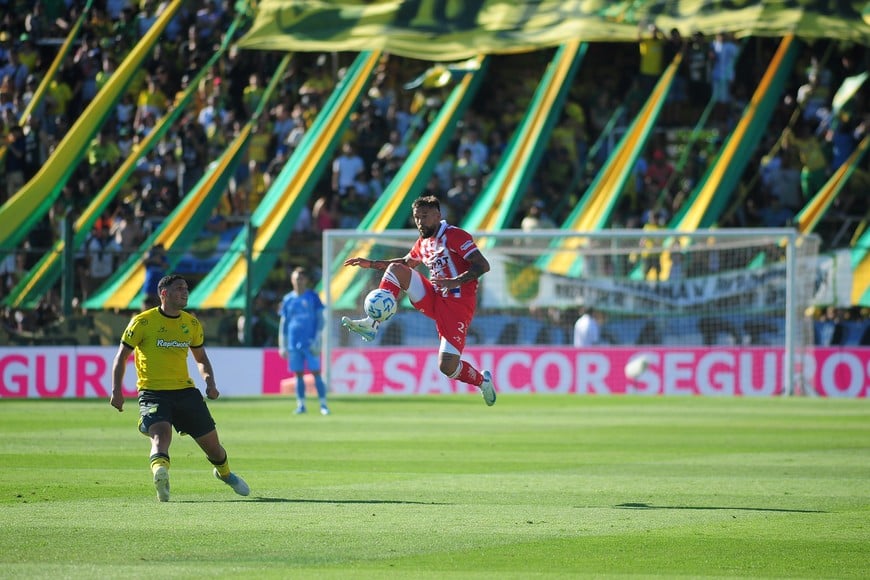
column 806, row 140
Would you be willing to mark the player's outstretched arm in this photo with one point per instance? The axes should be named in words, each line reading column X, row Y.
column 366, row 263
column 381, row 264
column 360, row 262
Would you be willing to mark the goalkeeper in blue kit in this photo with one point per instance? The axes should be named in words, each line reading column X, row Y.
column 299, row 336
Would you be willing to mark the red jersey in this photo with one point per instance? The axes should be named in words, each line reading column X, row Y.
column 446, row 256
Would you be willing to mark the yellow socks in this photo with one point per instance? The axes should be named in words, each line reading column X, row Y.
column 159, row 460
column 223, row 468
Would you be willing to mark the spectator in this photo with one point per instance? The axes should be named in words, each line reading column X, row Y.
column 88, row 64
column 115, row 8
column 211, row 117
column 60, row 92
column 806, row 145
column 260, row 145
column 102, row 253
column 260, row 334
column 603, row 107
column 156, row 265
column 444, row 171
column 459, row 197
column 774, row 214
column 651, row 254
column 35, row 147
column 15, row 161
column 194, row 153
column 145, row 17
column 28, row 55
column 723, row 56
column 125, row 110
column 252, row 95
column 282, row 126
column 150, row 101
column 294, row 137
column 466, row 166
column 587, row 329
column 829, row 331
column 785, row 184
column 103, row 152
column 651, row 43
column 845, row 132
column 698, row 65
column 9, row 274
column 479, row 152
column 318, row 83
column 658, row 173
column 678, row 259
column 15, row 70
column 346, row 169
column 394, row 149
column 376, row 182
column 536, row 218
column 126, row 230
column 325, row 213
column 106, row 71
column 352, row 207
column 813, row 97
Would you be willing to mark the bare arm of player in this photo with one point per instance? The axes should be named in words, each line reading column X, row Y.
column 282, row 329
column 204, row 365
column 478, row 265
column 119, row 365
column 381, row 264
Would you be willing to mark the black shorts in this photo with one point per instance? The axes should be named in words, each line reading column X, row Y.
column 185, row 409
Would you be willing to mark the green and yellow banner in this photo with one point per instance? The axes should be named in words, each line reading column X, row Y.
column 444, row 30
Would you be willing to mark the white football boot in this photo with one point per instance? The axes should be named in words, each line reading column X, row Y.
column 487, row 389
column 365, row 327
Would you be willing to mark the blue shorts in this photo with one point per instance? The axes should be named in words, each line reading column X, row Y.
column 299, row 358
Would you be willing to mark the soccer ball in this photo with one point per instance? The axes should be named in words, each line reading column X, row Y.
column 636, row 367
column 380, row 305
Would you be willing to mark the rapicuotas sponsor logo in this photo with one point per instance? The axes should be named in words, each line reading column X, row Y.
column 172, row 343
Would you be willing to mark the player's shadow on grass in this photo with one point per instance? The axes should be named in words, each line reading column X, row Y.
column 333, row 501
column 646, row 506
column 347, row 501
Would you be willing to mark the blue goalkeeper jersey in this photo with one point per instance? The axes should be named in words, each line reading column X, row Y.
column 301, row 319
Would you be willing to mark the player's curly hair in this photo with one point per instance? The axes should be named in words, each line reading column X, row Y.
column 429, row 201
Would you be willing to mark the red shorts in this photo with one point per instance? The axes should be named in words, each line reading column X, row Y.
column 452, row 315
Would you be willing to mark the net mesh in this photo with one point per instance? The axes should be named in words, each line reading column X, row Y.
column 743, row 293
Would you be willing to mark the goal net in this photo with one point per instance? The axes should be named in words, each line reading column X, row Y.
column 713, row 312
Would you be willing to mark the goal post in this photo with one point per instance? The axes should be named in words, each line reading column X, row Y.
column 719, row 312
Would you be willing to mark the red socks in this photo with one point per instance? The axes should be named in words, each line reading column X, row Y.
column 469, row 374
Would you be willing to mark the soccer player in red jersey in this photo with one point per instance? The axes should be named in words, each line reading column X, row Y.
column 449, row 296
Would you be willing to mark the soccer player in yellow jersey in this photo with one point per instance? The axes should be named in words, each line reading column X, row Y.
column 160, row 338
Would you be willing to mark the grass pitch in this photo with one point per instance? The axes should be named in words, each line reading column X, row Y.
column 434, row 487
